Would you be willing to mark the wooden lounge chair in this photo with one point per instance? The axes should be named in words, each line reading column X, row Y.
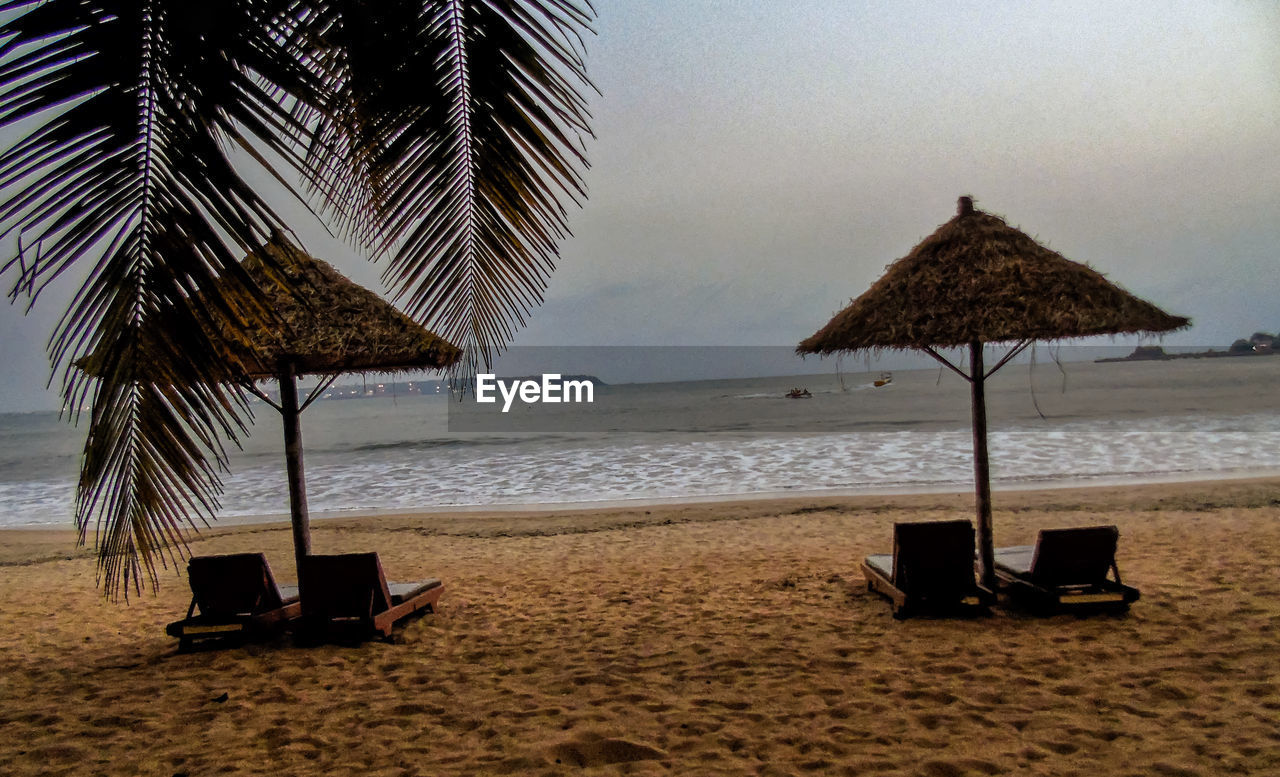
column 348, row 596
column 1066, row 570
column 233, row 598
column 930, row 570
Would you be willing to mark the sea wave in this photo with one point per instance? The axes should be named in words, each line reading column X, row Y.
column 552, row 469
column 1133, row 422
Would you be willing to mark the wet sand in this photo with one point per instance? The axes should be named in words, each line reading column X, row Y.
column 717, row 638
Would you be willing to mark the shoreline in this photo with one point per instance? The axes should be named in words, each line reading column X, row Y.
column 1255, row 490
column 1006, row 487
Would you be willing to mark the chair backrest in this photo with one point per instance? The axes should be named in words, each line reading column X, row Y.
column 1080, row 556
column 233, row 584
column 349, row 585
column 933, row 557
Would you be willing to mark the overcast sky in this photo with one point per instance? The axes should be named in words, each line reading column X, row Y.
column 757, row 164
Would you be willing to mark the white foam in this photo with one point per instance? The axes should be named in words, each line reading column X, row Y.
column 601, row 468
column 550, row 472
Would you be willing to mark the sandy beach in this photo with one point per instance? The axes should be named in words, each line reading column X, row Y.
column 718, row 638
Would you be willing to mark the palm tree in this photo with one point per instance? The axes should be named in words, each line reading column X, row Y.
column 445, row 135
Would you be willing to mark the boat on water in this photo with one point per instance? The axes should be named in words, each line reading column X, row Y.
column 885, row 379
column 799, row 393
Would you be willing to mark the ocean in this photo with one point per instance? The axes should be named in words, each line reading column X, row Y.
column 1078, row 423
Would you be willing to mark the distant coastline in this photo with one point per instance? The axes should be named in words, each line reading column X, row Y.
column 1260, row 344
column 368, row 390
column 1141, row 354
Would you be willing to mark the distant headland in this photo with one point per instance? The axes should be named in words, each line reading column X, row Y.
column 1259, row 344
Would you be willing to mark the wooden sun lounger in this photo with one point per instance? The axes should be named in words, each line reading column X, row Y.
column 930, row 570
column 234, row 597
column 1066, row 570
column 348, row 595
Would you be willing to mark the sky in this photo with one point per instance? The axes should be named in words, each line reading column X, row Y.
column 757, row 164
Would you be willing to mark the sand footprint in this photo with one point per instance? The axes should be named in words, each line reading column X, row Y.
column 960, row 768
column 596, row 750
column 1061, row 748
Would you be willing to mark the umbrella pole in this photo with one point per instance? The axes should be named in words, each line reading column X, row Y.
column 293, row 461
column 981, row 468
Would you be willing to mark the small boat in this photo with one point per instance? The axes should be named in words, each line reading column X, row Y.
column 885, row 379
column 799, row 393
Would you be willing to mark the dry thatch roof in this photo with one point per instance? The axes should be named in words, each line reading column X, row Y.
column 324, row 324
column 977, row 279
column 331, row 324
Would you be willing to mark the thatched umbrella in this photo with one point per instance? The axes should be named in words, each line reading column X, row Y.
column 323, row 324
column 976, row 280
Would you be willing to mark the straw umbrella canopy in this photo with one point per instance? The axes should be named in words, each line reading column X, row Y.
column 977, row 280
column 322, row 324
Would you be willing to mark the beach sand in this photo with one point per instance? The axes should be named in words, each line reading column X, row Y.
column 725, row 638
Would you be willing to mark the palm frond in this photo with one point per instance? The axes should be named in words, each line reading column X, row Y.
column 470, row 135
column 133, row 103
column 448, row 133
